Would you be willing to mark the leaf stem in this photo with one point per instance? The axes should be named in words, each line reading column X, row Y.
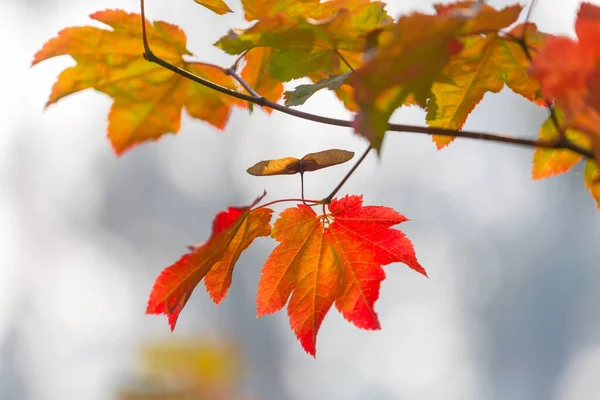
column 305, row 201
column 263, row 102
column 328, row 199
column 302, row 184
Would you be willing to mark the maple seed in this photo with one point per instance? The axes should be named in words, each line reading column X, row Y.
column 310, row 162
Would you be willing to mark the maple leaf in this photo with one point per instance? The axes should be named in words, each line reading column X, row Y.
column 569, row 72
column 548, row 162
column 216, row 6
column 410, row 59
column 332, row 259
column 303, row 92
column 232, row 232
column 306, row 37
column 484, row 65
column 310, row 162
column 148, row 99
column 403, row 67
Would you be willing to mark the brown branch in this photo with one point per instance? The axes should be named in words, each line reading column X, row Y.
column 263, row 102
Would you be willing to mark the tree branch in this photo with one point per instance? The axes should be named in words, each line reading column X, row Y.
column 264, row 102
column 328, row 199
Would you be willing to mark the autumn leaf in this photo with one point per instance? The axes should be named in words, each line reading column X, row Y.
column 549, row 162
column 302, row 93
column 404, row 67
column 591, row 177
column 310, row 162
column 451, row 64
column 332, row 259
column 569, row 72
column 306, row 37
column 232, row 232
column 216, row 6
column 148, row 99
column 485, row 64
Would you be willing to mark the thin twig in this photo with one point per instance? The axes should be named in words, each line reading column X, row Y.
column 562, row 140
column 237, row 60
column 263, row 102
column 328, row 199
column 530, row 10
column 315, row 202
column 245, row 85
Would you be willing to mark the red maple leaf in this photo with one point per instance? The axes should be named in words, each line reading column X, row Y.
column 233, row 231
column 333, row 258
column 569, row 72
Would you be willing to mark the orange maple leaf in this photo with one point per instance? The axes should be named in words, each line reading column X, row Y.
column 148, row 99
column 233, row 231
column 336, row 258
column 569, row 72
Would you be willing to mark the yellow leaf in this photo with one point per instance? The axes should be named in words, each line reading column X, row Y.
column 148, row 99
column 592, row 179
column 216, row 6
column 549, row 162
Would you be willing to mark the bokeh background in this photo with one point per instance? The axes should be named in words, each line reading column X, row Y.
column 510, row 310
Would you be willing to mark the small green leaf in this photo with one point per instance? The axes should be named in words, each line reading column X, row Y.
column 302, row 93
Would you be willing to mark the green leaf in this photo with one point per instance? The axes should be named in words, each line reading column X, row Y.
column 303, row 92
column 307, row 37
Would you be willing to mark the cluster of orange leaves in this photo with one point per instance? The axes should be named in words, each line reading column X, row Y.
column 374, row 64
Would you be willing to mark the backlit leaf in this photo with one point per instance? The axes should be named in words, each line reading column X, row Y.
column 148, row 99
column 592, row 179
column 403, row 67
column 216, row 6
column 307, row 37
column 548, row 162
column 310, row 162
column 332, row 259
column 233, row 231
column 453, row 52
column 569, row 72
column 484, row 65
column 303, row 92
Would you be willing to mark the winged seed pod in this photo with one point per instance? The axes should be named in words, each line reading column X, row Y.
column 291, row 165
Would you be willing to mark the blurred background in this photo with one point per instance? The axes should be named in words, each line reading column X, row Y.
column 510, row 310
